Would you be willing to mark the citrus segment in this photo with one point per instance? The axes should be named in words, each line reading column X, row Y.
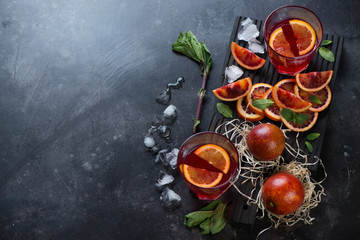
column 324, row 96
column 234, row 91
column 273, row 111
column 245, row 113
column 246, row 58
column 287, row 84
column 257, row 92
column 215, row 155
column 201, row 177
column 304, row 35
column 313, row 81
column 312, row 117
column 285, row 99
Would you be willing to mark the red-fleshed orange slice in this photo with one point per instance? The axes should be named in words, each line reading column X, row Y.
column 257, row 91
column 273, row 111
column 313, row 81
column 246, row 58
column 243, row 111
column 285, row 99
column 234, row 91
column 286, row 84
column 324, row 96
column 201, row 177
column 308, row 124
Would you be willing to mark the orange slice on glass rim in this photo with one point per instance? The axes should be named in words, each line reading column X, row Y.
column 304, row 34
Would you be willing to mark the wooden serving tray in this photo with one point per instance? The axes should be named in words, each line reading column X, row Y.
column 243, row 213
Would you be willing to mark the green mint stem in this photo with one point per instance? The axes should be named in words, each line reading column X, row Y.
column 201, row 96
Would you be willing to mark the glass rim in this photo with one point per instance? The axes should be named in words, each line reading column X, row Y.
column 317, row 44
column 232, row 176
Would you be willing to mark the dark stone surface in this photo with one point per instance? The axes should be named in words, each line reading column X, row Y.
column 78, row 82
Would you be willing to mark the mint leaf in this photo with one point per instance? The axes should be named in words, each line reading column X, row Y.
column 195, row 218
column 188, row 45
column 288, row 115
column 211, row 206
column 262, row 103
column 300, row 118
column 205, row 226
column 218, row 220
column 224, row 110
column 327, row 54
column 315, row 99
column 312, row 136
column 326, row 42
column 309, row 146
column 207, row 58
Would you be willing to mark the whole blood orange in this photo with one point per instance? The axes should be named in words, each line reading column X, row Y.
column 245, row 113
column 283, row 193
column 266, row 142
column 324, row 96
column 234, row 91
column 246, row 58
column 304, row 34
column 313, row 81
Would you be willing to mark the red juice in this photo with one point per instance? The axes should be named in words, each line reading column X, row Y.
column 211, row 193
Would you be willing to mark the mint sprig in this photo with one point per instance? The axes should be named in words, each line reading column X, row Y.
column 291, row 116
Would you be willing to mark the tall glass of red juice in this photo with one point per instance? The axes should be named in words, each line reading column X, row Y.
column 292, row 36
column 201, row 164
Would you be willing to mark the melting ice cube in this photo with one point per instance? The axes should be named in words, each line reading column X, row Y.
column 255, row 46
column 170, row 112
column 149, row 141
column 164, row 180
column 170, row 159
column 169, row 198
column 164, row 97
column 248, row 32
column 247, row 21
column 161, row 156
column 232, row 73
column 178, row 84
column 164, row 131
column 155, row 149
column 156, row 122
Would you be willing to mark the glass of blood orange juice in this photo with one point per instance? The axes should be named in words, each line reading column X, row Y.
column 209, row 163
column 292, row 36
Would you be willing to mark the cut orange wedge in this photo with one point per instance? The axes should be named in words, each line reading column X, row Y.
column 257, row 91
column 304, row 34
column 245, row 113
column 289, row 100
column 246, row 58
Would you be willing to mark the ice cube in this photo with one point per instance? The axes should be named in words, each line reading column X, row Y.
column 247, row 21
column 164, row 97
column 161, row 155
column 156, row 122
column 149, row 141
column 248, row 32
column 255, row 46
column 164, row 131
column 170, row 112
column 169, row 198
column 164, row 180
column 232, row 73
column 171, row 158
column 155, row 149
column 177, row 85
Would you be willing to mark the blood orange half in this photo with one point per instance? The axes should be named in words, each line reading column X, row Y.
column 313, row 81
column 246, row 58
column 234, row 91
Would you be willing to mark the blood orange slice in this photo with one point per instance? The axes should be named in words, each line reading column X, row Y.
column 312, row 118
column 272, row 112
column 234, row 91
column 323, row 96
column 246, row 58
column 285, row 99
column 201, row 177
column 215, row 155
column 305, row 38
column 245, row 113
column 257, row 92
column 286, row 84
column 313, row 81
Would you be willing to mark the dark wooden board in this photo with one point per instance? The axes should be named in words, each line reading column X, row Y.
column 244, row 214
